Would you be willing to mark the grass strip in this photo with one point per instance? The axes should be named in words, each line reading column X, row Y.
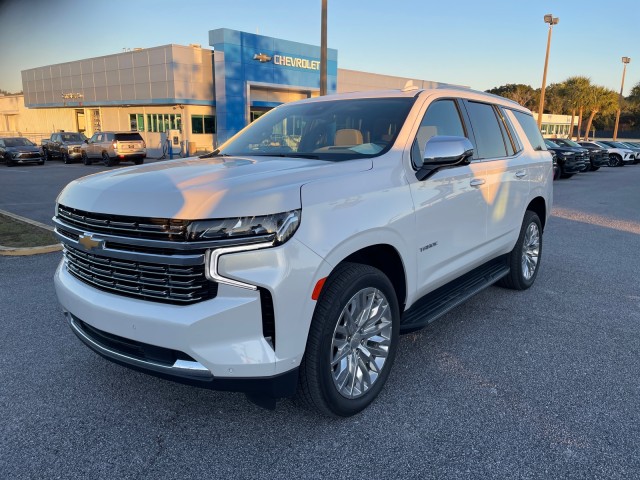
column 17, row 234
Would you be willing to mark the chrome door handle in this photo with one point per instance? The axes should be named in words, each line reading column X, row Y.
column 521, row 173
column 476, row 182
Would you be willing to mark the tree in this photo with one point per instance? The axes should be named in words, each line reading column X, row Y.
column 600, row 100
column 575, row 90
column 525, row 95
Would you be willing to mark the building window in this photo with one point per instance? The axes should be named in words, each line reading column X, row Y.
column 158, row 122
column 203, row 124
column 136, row 122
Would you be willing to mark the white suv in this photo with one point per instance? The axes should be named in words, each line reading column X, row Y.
column 291, row 259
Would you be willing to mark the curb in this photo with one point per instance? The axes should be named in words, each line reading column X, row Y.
column 11, row 251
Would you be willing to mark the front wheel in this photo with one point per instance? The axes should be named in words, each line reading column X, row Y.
column 615, row 160
column 85, row 159
column 352, row 341
column 524, row 259
column 66, row 158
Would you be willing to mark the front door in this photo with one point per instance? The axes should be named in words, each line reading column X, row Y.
column 450, row 206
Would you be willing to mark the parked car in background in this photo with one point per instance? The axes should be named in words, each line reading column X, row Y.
column 114, row 147
column 619, row 155
column 598, row 157
column 570, row 160
column 556, row 169
column 634, row 148
column 64, row 145
column 20, row 150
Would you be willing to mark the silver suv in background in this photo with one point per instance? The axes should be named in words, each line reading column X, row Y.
column 114, row 147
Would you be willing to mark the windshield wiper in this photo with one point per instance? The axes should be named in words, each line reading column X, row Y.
column 287, row 155
column 215, row 153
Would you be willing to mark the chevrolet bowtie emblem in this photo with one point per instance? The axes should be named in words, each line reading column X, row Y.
column 88, row 242
column 262, row 57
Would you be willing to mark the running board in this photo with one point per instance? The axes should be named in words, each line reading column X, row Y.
column 435, row 304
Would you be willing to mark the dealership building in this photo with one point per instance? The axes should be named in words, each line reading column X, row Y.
column 198, row 97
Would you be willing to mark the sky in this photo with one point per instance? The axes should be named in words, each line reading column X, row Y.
column 482, row 44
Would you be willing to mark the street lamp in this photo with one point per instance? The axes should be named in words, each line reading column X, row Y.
column 625, row 61
column 323, row 50
column 551, row 20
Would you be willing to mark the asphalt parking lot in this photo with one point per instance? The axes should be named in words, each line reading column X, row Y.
column 537, row 384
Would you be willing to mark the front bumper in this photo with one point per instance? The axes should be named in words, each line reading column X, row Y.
column 223, row 337
column 167, row 364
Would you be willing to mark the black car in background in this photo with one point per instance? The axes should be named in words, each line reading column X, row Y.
column 20, row 150
column 598, row 157
column 570, row 160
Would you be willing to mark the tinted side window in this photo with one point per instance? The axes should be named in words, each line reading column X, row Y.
column 442, row 118
column 489, row 140
column 531, row 130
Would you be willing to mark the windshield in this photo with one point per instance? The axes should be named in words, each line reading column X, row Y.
column 551, row 144
column 18, row 142
column 570, row 143
column 72, row 137
column 330, row 130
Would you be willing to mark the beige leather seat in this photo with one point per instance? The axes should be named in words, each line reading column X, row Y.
column 348, row 136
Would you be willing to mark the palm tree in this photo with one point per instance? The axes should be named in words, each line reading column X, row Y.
column 575, row 90
column 601, row 100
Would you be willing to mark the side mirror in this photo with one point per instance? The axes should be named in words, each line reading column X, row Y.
column 443, row 152
column 86, row 140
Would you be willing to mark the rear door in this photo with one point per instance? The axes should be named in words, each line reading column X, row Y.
column 507, row 174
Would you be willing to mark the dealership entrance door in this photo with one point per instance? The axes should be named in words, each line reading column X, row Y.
column 81, row 125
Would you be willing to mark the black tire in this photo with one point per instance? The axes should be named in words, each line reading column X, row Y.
column 615, row 160
column 317, row 387
column 41, row 162
column 107, row 160
column 85, row 159
column 8, row 162
column 518, row 278
column 47, row 155
column 139, row 161
column 66, row 158
column 594, row 169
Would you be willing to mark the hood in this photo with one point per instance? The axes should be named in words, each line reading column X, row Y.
column 567, row 149
column 23, row 148
column 74, row 142
column 196, row 188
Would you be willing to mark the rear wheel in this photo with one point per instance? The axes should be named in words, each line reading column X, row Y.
column 85, row 159
column 107, row 160
column 524, row 259
column 352, row 341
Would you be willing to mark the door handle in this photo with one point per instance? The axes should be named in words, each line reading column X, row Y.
column 476, row 182
column 521, row 173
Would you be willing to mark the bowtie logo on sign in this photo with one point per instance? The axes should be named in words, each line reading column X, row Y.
column 262, row 57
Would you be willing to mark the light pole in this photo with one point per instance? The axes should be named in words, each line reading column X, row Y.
column 551, row 20
column 323, row 50
column 625, row 61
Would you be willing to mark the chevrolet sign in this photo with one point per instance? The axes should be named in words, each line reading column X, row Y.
column 296, row 62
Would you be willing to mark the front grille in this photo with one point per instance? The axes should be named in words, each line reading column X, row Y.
column 28, row 155
column 175, row 284
column 125, row 226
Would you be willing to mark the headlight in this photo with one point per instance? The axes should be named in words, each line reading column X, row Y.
column 277, row 228
column 268, row 230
